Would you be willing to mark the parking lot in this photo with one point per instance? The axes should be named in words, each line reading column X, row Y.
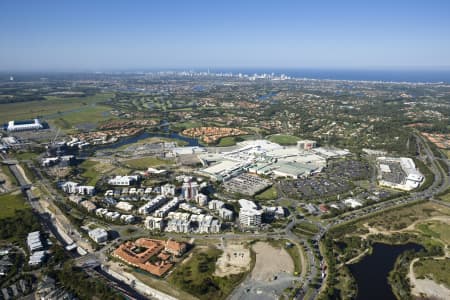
column 246, row 184
column 335, row 179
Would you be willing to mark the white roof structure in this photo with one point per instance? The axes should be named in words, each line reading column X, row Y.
column 353, row 203
column 125, row 206
column 246, row 204
column 98, row 234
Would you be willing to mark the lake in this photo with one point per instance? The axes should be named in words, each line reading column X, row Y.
column 371, row 273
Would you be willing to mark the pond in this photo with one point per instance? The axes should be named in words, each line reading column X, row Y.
column 371, row 273
column 145, row 135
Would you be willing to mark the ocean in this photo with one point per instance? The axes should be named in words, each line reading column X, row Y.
column 414, row 76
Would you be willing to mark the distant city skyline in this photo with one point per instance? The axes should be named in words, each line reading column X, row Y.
column 142, row 35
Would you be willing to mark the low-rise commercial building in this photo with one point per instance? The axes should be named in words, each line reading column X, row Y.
column 98, row 235
column 123, row 180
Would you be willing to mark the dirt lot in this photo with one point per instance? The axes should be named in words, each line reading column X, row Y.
column 270, row 261
column 427, row 286
column 235, row 259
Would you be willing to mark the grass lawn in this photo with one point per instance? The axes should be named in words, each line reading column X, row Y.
column 445, row 197
column 283, row 139
column 145, row 162
column 52, row 105
column 268, row 194
column 196, row 276
column 437, row 270
column 7, row 172
column 90, row 172
column 306, row 227
column 227, row 141
column 10, row 203
column 25, row 155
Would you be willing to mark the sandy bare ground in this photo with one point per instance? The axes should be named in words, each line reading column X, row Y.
column 270, row 261
column 426, row 287
column 235, row 259
column 7, row 186
column 22, row 172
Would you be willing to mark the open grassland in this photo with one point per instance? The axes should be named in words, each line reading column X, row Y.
column 284, row 139
column 92, row 170
column 436, row 229
column 146, row 162
column 25, row 155
column 268, row 194
column 227, row 141
column 90, row 115
column 437, row 270
column 397, row 219
column 51, row 108
column 445, row 197
column 196, row 276
column 10, row 203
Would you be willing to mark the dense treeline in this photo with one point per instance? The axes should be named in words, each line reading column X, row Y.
column 22, row 98
column 77, row 281
column 18, row 226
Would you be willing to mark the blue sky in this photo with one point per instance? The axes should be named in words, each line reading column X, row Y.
column 119, row 34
